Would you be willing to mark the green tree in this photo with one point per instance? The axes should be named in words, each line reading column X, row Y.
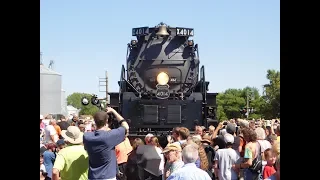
column 255, row 101
column 75, row 100
column 272, row 95
column 229, row 104
column 232, row 101
column 220, row 111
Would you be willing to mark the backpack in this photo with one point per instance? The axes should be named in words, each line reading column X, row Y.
column 256, row 166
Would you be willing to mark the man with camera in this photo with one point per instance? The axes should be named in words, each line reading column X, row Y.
column 100, row 145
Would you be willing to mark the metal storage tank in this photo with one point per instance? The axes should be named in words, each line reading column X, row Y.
column 64, row 110
column 50, row 91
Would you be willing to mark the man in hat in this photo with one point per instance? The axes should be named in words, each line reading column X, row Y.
column 232, row 129
column 172, row 152
column 224, row 159
column 72, row 161
column 60, row 145
column 218, row 139
column 210, row 152
column 100, row 145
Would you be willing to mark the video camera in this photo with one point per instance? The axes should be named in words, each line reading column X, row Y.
column 94, row 100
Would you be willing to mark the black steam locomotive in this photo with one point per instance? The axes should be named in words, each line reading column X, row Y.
column 162, row 86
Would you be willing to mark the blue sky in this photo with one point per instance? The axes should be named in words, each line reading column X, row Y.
column 238, row 40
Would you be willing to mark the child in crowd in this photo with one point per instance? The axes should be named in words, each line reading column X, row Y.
column 269, row 169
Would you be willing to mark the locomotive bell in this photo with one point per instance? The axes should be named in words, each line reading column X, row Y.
column 162, row 31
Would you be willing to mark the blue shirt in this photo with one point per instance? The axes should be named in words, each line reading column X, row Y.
column 198, row 163
column 100, row 146
column 189, row 172
column 48, row 160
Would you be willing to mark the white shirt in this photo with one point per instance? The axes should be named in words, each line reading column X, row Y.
column 43, row 168
column 50, row 131
column 162, row 162
column 46, row 122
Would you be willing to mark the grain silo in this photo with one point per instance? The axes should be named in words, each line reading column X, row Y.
column 50, row 91
column 64, row 109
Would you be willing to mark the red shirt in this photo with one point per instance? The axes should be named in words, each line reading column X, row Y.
column 268, row 171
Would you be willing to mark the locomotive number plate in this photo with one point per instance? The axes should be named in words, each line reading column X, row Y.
column 184, row 31
column 162, row 92
column 141, row 31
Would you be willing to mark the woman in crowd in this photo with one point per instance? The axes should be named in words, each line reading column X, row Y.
column 203, row 160
column 155, row 142
column 252, row 150
column 132, row 167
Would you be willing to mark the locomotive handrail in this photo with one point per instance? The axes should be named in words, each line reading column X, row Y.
column 203, row 87
column 204, row 93
column 123, row 73
column 121, row 88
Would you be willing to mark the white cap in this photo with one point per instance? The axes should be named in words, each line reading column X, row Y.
column 223, row 132
column 41, row 116
column 149, row 135
column 228, row 138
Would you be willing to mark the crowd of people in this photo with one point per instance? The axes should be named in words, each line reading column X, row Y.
column 79, row 149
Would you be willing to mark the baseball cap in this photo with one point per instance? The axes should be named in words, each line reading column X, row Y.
column 172, row 147
column 231, row 128
column 228, row 138
column 60, row 142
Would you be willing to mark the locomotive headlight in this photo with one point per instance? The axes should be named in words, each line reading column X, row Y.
column 162, row 78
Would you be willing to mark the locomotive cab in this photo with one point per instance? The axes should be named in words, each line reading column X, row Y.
column 162, row 85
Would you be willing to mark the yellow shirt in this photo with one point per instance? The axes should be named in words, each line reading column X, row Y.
column 73, row 163
column 278, row 138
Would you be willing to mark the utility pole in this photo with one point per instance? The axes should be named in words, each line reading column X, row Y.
column 249, row 97
column 247, row 105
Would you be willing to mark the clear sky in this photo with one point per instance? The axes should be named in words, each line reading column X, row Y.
column 239, row 40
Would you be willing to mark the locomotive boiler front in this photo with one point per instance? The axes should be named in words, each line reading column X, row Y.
column 162, row 86
column 162, row 61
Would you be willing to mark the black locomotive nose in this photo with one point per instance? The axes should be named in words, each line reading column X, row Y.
column 163, row 86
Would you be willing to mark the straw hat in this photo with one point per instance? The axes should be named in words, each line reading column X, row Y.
column 206, row 138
